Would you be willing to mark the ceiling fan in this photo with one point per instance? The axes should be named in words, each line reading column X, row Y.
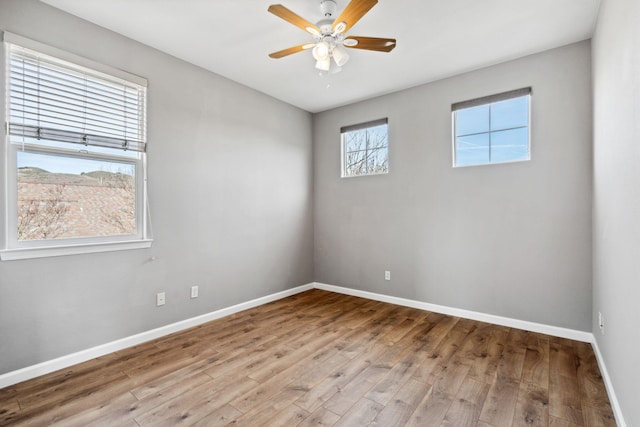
column 329, row 33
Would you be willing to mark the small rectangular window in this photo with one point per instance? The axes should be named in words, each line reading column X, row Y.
column 493, row 129
column 365, row 148
column 75, row 155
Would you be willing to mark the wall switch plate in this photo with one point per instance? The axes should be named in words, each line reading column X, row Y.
column 160, row 299
column 194, row 292
column 387, row 275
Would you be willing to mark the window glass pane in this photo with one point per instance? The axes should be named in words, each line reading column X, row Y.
column 376, row 136
column 355, row 140
column 510, row 113
column 472, row 150
column 378, row 161
column 67, row 197
column 472, row 120
column 355, row 163
column 510, row 145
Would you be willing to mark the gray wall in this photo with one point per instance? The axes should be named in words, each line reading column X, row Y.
column 512, row 240
column 616, row 231
column 230, row 181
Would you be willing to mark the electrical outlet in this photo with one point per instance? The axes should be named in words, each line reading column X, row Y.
column 601, row 322
column 160, row 299
column 387, row 275
column 194, row 292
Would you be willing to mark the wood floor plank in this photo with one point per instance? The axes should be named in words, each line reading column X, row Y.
column 501, row 402
column 536, row 362
column 559, row 422
column 196, row 403
column 398, row 411
column 383, row 390
column 62, row 407
column 9, row 407
column 292, row 415
column 219, row 417
column 361, row 413
column 261, row 415
column 332, row 384
column 322, row 358
column 271, row 386
column 483, row 349
column 467, row 405
column 102, row 414
column 321, row 417
column 592, row 390
column 450, row 340
column 599, row 416
column 532, row 408
column 163, row 393
column 431, row 410
column 346, row 397
column 565, row 399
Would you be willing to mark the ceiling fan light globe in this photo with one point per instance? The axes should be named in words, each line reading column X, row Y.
column 321, row 51
column 324, row 64
column 340, row 55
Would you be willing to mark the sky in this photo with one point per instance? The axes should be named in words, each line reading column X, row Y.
column 493, row 133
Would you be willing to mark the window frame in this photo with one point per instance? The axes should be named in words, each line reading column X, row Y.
column 15, row 249
column 343, row 151
column 490, row 100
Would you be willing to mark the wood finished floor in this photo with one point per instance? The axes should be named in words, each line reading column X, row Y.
column 326, row 359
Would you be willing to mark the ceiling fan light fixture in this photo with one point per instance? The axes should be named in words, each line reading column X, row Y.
column 324, row 64
column 340, row 55
column 321, row 51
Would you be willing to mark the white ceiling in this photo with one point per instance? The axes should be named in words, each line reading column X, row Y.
column 435, row 39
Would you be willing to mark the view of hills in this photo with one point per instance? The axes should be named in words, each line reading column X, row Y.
column 95, row 178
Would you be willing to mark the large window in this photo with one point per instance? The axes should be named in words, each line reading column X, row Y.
column 76, row 137
column 494, row 129
column 365, row 148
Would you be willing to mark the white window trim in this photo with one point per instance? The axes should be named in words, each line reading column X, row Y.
column 28, row 250
column 484, row 101
column 88, row 248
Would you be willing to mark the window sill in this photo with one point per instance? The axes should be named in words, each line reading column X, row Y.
column 44, row 252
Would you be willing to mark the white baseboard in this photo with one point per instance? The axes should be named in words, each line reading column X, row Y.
column 49, row 366
column 615, row 405
column 467, row 314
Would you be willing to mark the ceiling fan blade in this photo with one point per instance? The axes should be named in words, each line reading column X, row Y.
column 289, row 16
column 352, row 14
column 370, row 43
column 285, row 52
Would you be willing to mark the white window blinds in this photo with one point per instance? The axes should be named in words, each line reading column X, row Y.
column 52, row 99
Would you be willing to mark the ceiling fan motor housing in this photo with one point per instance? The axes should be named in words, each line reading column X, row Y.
column 328, row 8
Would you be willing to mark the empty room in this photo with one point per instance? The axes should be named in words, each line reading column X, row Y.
column 320, row 212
